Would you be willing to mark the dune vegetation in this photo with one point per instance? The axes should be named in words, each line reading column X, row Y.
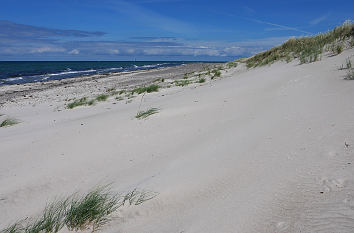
column 145, row 114
column 9, row 122
column 307, row 49
column 89, row 212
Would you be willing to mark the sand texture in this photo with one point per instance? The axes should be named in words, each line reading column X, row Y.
column 270, row 149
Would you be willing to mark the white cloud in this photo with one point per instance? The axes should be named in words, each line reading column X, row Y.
column 114, row 51
column 47, row 50
column 74, row 51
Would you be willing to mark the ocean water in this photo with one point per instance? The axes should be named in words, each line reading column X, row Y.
column 16, row 72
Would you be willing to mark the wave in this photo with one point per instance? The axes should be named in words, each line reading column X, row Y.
column 72, row 72
column 13, row 79
column 27, row 76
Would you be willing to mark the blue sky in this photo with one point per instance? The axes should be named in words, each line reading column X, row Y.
column 158, row 29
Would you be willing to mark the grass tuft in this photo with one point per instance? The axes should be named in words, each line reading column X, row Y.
column 232, row 64
column 91, row 102
column 148, row 89
column 52, row 219
column 201, row 80
column 348, row 63
column 92, row 210
column 14, row 228
column 102, row 97
column 119, row 98
column 182, row 83
column 145, row 114
column 77, row 214
column 216, row 73
column 9, row 122
column 76, row 103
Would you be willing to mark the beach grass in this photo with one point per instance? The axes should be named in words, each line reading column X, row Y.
column 182, row 83
column 14, row 228
column 77, row 103
column 91, row 102
column 89, row 212
column 201, row 80
column 215, row 73
column 52, row 219
column 110, row 89
column 119, row 98
column 92, row 210
column 102, row 97
column 348, row 63
column 145, row 114
column 8, row 122
column 159, row 80
column 148, row 89
column 306, row 49
column 232, row 64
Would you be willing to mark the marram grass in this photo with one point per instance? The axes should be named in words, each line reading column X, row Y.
column 148, row 89
column 145, row 114
column 89, row 212
column 8, row 122
column 102, row 97
column 306, row 49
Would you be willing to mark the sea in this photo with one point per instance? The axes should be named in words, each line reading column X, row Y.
column 18, row 72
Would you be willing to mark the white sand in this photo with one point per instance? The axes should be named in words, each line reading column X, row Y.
column 256, row 151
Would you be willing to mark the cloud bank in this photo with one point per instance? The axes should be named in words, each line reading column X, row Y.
column 19, row 41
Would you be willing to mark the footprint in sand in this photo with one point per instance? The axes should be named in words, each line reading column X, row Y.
column 330, row 185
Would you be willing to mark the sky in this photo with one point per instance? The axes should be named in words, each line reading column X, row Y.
column 158, row 30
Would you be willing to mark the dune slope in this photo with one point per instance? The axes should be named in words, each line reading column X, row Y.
column 268, row 149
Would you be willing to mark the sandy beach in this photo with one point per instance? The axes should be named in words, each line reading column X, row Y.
column 267, row 149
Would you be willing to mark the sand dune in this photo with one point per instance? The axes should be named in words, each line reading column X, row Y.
column 268, row 149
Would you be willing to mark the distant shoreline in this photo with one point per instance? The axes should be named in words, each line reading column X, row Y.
column 17, row 72
column 117, row 80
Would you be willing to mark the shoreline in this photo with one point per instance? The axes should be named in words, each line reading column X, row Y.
column 118, row 80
